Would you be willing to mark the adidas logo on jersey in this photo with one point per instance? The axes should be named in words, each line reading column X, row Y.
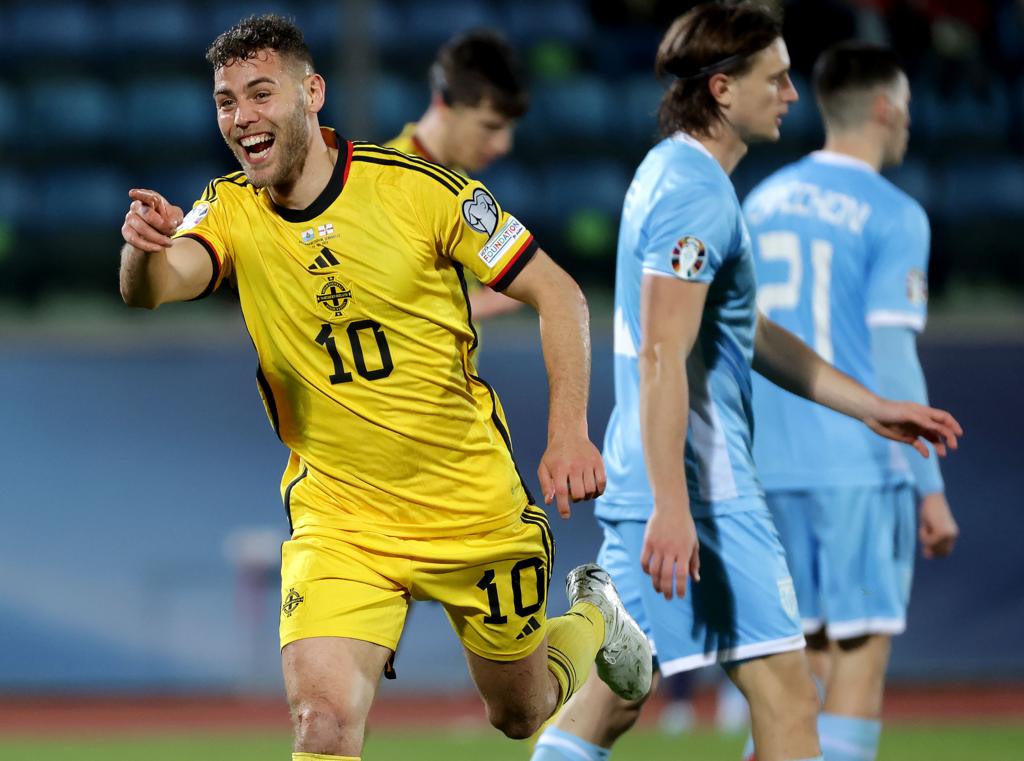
column 530, row 628
column 326, row 259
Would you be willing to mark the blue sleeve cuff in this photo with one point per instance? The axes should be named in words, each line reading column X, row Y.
column 900, row 377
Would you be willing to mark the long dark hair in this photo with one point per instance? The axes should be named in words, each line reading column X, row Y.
column 712, row 38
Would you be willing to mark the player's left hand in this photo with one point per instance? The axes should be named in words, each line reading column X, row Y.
column 571, row 470
column 910, row 423
column 937, row 529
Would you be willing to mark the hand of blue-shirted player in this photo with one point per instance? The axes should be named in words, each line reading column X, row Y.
column 937, row 530
column 909, row 422
column 570, row 470
column 671, row 550
column 150, row 221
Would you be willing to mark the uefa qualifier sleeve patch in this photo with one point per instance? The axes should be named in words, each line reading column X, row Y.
column 689, row 256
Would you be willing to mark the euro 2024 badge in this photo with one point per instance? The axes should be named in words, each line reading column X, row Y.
column 688, row 257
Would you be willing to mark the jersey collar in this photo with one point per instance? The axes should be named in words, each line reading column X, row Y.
column 334, row 185
column 842, row 159
column 687, row 139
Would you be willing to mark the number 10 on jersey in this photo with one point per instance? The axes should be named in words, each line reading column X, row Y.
column 356, row 330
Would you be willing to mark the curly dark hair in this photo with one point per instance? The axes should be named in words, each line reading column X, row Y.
column 249, row 36
column 710, row 38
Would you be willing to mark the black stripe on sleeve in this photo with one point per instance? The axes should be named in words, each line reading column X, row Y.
column 214, row 261
column 517, row 266
column 457, row 179
column 401, row 162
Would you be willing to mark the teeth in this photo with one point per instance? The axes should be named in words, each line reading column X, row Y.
column 253, row 139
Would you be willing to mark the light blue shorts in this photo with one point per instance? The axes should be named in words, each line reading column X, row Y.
column 744, row 606
column 851, row 553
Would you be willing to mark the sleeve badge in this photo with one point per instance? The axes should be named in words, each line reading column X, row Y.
column 688, row 257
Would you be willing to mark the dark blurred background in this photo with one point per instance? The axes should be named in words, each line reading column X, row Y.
column 138, row 479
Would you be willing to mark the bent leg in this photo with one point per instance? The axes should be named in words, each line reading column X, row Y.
column 783, row 705
column 330, row 683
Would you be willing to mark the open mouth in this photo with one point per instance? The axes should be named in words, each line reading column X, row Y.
column 257, row 147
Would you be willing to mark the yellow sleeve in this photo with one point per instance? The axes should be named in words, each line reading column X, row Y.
column 207, row 224
column 479, row 234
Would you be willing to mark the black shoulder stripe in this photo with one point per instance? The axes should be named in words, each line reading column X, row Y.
column 235, row 178
column 406, row 165
column 457, row 179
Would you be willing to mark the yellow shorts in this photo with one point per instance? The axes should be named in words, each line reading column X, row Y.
column 493, row 586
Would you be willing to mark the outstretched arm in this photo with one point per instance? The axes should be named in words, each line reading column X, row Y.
column 156, row 269
column 571, row 468
column 786, row 361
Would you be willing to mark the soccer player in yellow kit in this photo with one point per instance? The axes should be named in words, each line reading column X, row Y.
column 477, row 94
column 349, row 261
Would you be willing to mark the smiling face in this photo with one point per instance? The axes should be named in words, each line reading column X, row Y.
column 266, row 111
column 759, row 98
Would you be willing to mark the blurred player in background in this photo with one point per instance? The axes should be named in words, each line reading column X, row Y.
column 841, row 257
column 477, row 94
column 349, row 263
column 683, row 499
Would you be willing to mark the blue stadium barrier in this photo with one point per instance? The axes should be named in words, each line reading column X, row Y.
column 396, row 101
column 67, row 28
column 180, row 108
column 427, row 25
column 598, row 184
column 581, row 107
column 983, row 187
column 88, row 197
column 526, row 23
column 637, row 102
column 167, row 26
column 84, row 110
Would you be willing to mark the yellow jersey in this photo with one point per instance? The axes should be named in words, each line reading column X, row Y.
column 407, row 142
column 357, row 307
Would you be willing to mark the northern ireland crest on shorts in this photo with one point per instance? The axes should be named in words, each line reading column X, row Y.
column 688, row 257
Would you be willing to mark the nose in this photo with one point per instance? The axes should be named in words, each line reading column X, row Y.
column 245, row 115
column 501, row 143
column 791, row 95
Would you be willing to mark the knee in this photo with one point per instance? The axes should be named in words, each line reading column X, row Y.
column 320, row 727
column 515, row 722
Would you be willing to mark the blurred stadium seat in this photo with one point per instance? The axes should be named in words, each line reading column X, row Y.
column 983, row 187
column 578, row 107
column 180, row 108
column 83, row 197
column 639, row 98
column 75, row 111
column 427, row 25
column 915, row 178
column 64, row 28
column 515, row 187
column 396, row 101
column 525, row 23
column 12, row 196
column 9, row 113
column 166, row 26
column 598, row 184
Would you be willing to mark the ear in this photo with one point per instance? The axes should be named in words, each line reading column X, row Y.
column 437, row 102
column 315, row 90
column 882, row 110
column 720, row 87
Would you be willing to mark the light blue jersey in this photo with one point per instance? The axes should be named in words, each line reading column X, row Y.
column 838, row 250
column 681, row 219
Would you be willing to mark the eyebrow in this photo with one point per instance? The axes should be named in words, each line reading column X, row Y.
column 248, row 85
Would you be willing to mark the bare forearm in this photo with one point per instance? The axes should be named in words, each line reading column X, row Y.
column 664, row 416
column 788, row 362
column 565, row 339
column 142, row 276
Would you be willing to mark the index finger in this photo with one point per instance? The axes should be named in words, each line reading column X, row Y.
column 149, row 197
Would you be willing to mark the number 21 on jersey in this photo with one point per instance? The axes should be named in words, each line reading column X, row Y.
column 784, row 246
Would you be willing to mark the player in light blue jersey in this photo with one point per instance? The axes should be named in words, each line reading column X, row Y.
column 841, row 256
column 683, row 501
